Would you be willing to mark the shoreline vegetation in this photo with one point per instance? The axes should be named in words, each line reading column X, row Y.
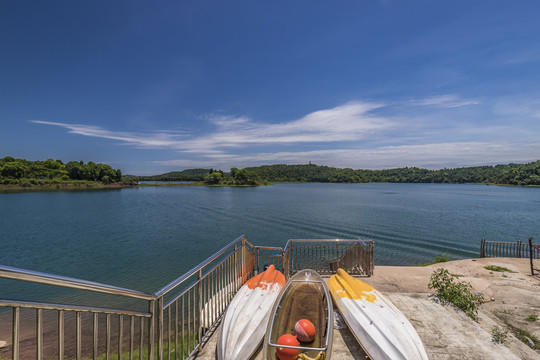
column 19, row 175
column 510, row 174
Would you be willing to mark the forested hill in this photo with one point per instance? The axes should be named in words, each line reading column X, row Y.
column 511, row 174
column 185, row 175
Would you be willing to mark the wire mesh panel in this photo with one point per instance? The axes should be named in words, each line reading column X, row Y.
column 266, row 256
column 326, row 256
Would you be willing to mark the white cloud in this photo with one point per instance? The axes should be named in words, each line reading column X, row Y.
column 350, row 122
column 156, row 139
column 445, row 101
column 433, row 155
column 351, row 135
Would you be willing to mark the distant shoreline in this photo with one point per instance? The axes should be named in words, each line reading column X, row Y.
column 91, row 186
column 67, row 186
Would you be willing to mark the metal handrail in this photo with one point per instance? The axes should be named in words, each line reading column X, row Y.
column 196, row 269
column 195, row 285
column 51, row 306
column 322, row 241
column 8, row 272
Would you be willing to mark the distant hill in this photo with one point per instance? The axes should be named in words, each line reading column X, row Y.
column 184, row 175
column 510, row 174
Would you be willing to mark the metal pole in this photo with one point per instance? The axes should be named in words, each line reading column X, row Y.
column 39, row 334
column 15, row 328
column 244, row 270
column 151, row 328
column 531, row 255
column 160, row 327
column 482, row 244
column 200, row 306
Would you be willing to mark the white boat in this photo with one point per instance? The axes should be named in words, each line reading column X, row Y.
column 305, row 296
column 244, row 323
column 381, row 329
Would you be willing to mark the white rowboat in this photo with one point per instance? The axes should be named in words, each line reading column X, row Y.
column 244, row 323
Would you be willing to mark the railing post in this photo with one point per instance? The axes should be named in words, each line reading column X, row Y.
column 200, row 307
column 257, row 260
column 235, row 267
column 160, row 327
column 519, row 249
column 482, row 245
column 283, row 265
column 15, row 330
column 531, row 255
column 290, row 265
column 243, row 254
column 151, row 328
column 337, row 256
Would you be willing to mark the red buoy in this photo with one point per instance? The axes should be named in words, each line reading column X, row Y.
column 305, row 330
column 284, row 353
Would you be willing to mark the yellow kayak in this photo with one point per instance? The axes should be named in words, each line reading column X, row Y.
column 380, row 328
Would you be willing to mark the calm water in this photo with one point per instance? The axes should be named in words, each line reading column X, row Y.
column 144, row 238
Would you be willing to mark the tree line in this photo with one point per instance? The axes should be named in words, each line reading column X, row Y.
column 510, row 174
column 13, row 171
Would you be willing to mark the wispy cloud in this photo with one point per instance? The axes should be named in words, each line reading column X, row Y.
column 354, row 134
column 445, row 101
column 349, row 122
column 155, row 139
column 452, row 154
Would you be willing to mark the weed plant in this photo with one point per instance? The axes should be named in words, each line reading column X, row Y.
column 499, row 334
column 524, row 336
column 496, row 268
column 460, row 294
column 438, row 259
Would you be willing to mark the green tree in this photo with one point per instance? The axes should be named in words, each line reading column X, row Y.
column 213, row 178
column 14, row 170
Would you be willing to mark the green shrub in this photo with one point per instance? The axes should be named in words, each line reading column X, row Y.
column 532, row 317
column 460, row 294
column 438, row 259
column 496, row 268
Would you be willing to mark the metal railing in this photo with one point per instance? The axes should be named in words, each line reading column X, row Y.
column 65, row 312
column 326, row 256
column 178, row 317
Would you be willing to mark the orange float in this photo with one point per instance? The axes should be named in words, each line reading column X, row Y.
column 285, row 353
column 305, row 330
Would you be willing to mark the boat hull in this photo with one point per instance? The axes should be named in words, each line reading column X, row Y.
column 305, row 296
column 381, row 329
column 241, row 332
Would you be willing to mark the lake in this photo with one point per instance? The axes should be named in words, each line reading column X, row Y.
column 143, row 238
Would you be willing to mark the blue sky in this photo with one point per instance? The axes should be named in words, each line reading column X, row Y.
column 156, row 86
